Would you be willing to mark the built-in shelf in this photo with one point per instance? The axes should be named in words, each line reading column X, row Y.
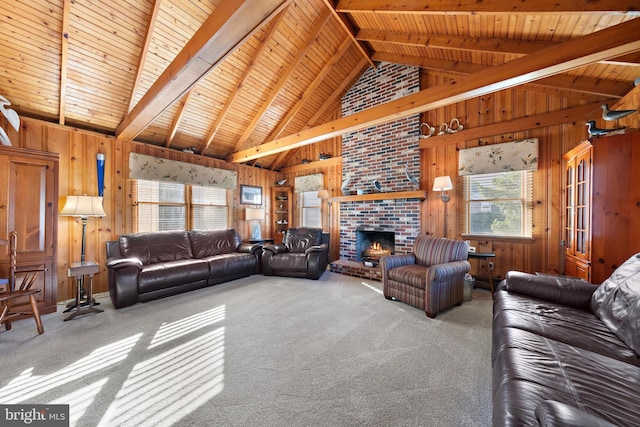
column 417, row 194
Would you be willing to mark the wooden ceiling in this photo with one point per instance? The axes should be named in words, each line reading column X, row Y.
column 249, row 80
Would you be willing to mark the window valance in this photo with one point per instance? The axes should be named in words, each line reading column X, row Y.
column 506, row 157
column 152, row 168
column 306, row 183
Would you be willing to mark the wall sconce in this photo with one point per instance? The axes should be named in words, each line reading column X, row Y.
column 323, row 194
column 442, row 184
column 255, row 215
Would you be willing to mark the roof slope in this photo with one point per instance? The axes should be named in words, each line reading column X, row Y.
column 278, row 67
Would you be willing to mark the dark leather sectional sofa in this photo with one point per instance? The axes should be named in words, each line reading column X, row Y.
column 566, row 352
column 147, row 266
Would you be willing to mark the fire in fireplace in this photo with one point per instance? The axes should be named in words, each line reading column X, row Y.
column 373, row 244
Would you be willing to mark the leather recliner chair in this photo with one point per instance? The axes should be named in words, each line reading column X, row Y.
column 304, row 252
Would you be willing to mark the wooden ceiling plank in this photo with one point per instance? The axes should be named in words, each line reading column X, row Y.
column 561, row 82
column 231, row 24
column 310, row 88
column 493, row 7
column 64, row 61
column 575, row 114
column 613, row 41
column 142, row 59
column 241, row 82
column 351, row 32
column 283, row 79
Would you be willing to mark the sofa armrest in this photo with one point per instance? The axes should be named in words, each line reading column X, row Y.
column 123, row 280
column 316, row 248
column 388, row 262
column 278, row 248
column 248, row 248
column 551, row 413
column 120, row 263
column 565, row 290
column 448, row 269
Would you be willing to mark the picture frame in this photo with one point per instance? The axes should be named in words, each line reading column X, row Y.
column 250, row 195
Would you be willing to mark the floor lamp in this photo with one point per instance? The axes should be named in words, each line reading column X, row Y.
column 82, row 208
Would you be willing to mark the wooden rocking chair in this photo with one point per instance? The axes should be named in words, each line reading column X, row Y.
column 12, row 291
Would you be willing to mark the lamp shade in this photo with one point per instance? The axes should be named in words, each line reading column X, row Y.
column 442, row 183
column 323, row 194
column 83, row 207
column 254, row 214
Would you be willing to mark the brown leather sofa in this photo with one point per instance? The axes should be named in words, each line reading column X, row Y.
column 567, row 352
column 304, row 252
column 146, row 266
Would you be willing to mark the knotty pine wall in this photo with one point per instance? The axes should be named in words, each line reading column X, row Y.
column 78, row 148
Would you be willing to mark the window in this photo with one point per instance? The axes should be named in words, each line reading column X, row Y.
column 162, row 206
column 210, row 210
column 498, row 204
column 311, row 209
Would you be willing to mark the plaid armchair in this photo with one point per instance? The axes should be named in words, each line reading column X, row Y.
column 431, row 277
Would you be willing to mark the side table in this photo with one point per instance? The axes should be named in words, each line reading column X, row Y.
column 485, row 256
column 79, row 270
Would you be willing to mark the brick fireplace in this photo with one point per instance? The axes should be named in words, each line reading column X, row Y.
column 381, row 153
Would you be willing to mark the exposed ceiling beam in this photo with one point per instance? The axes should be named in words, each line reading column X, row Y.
column 350, row 30
column 610, row 42
column 178, row 119
column 232, row 23
column 492, row 7
column 574, row 114
column 473, row 44
column 560, row 83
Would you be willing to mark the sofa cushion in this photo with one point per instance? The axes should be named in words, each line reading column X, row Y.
column 154, row 247
column 163, row 275
column 617, row 302
column 578, row 328
column 412, row 274
column 299, row 240
column 531, row 368
column 206, row 243
column 231, row 264
column 292, row 262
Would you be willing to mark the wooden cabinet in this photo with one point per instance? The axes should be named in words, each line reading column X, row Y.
column 29, row 205
column 602, row 220
column 577, row 201
column 281, row 207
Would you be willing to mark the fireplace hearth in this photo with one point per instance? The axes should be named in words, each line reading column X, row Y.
column 372, row 244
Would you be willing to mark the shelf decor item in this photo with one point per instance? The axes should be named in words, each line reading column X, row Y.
column 250, row 195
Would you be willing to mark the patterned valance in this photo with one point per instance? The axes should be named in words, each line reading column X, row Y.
column 152, row 168
column 506, row 157
column 305, row 183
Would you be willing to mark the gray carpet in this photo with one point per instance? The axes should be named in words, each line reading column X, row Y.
column 260, row 351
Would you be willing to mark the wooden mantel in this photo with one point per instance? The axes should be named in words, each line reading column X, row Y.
column 417, row 194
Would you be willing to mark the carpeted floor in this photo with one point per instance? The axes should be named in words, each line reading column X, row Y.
column 260, row 351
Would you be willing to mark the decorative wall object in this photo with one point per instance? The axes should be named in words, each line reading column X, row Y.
column 250, row 195
column 11, row 116
column 152, row 168
column 306, row 183
column 507, row 157
column 100, row 158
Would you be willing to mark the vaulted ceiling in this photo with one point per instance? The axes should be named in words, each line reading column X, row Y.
column 243, row 80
